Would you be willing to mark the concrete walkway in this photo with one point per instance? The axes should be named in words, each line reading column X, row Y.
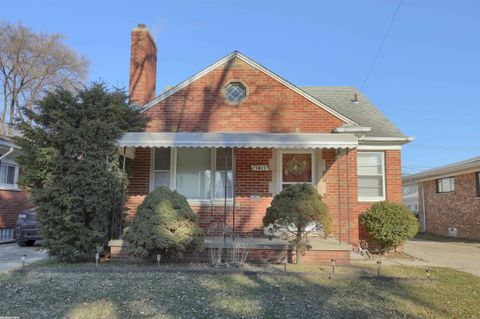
column 11, row 255
column 446, row 254
column 430, row 253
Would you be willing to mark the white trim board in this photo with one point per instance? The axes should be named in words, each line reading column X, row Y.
column 379, row 147
column 233, row 55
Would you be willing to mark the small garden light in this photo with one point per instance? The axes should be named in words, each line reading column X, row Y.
column 379, row 264
column 97, row 257
column 333, row 262
column 23, row 260
column 159, row 257
column 428, row 273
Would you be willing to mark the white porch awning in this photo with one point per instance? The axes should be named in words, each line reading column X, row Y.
column 248, row 140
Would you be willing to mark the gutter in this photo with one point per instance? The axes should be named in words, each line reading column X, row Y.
column 352, row 129
column 386, row 140
column 7, row 153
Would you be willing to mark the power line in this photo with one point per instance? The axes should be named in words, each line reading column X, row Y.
column 381, row 45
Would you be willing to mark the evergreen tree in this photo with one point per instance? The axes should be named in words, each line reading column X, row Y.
column 293, row 210
column 71, row 165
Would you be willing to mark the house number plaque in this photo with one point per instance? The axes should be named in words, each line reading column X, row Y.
column 260, row 168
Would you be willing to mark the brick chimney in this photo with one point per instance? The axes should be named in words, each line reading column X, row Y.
column 143, row 66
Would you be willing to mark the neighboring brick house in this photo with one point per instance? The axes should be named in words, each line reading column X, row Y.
column 238, row 124
column 12, row 199
column 449, row 199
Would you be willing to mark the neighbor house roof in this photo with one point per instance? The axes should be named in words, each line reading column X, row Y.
column 458, row 168
column 364, row 113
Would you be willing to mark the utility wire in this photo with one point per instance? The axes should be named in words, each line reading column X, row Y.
column 381, row 45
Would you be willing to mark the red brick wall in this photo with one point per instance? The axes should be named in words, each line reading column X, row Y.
column 138, row 171
column 393, row 187
column 249, row 211
column 460, row 209
column 12, row 203
column 269, row 107
column 253, row 195
column 143, row 66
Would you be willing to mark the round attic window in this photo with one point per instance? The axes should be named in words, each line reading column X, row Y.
column 235, row 92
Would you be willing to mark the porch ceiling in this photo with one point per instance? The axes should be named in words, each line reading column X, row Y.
column 248, row 140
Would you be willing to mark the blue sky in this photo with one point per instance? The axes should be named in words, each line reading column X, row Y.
column 426, row 79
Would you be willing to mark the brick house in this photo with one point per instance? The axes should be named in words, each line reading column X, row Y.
column 234, row 134
column 12, row 199
column 449, row 199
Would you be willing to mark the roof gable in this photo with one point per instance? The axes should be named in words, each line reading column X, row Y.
column 167, row 93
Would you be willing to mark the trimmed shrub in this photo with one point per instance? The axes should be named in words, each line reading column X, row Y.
column 165, row 224
column 293, row 209
column 390, row 224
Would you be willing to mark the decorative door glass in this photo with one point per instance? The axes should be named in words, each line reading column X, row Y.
column 296, row 168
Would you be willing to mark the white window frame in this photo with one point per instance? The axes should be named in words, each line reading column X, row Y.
column 452, row 183
column 374, row 198
column 153, row 170
column 280, row 166
column 173, row 176
column 14, row 186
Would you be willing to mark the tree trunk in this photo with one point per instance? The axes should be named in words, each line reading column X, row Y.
column 298, row 256
column 298, row 250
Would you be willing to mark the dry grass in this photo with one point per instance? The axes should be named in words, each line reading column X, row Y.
column 354, row 293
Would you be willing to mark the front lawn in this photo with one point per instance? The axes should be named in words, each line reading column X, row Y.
column 54, row 291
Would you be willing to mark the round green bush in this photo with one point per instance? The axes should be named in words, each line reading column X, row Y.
column 165, row 224
column 294, row 208
column 390, row 224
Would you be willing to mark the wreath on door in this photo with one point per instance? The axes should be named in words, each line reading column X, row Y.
column 295, row 167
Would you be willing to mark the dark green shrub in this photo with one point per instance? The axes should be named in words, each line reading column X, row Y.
column 293, row 209
column 390, row 224
column 71, row 165
column 165, row 223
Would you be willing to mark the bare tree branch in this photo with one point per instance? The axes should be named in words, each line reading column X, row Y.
column 30, row 65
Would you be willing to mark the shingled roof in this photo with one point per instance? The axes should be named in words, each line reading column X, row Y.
column 364, row 113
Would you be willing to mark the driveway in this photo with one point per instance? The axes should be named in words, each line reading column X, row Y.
column 11, row 255
column 432, row 253
column 455, row 255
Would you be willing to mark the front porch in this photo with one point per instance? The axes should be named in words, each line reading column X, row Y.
column 231, row 179
column 258, row 250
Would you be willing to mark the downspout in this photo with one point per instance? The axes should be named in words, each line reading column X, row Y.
column 424, row 209
column 348, row 200
column 339, row 200
column 225, row 181
column 122, row 201
column 234, row 188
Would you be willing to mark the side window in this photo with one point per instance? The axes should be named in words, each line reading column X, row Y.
column 8, row 175
column 371, row 176
column 477, row 178
column 446, row 185
column 161, row 167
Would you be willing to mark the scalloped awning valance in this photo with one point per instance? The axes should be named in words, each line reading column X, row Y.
column 243, row 139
